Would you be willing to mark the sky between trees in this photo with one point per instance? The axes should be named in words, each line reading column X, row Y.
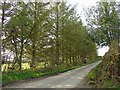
column 82, row 5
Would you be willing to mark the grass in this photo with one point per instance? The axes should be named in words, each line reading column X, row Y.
column 10, row 77
column 99, row 78
column 92, row 73
column 107, row 83
column 17, row 76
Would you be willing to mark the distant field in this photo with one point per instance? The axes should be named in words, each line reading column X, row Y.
column 24, row 66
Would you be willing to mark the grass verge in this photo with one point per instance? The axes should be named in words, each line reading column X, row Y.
column 98, row 78
column 11, row 77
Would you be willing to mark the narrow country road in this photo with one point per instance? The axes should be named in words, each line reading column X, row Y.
column 69, row 79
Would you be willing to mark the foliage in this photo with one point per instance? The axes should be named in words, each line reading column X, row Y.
column 103, row 24
column 38, row 32
column 105, row 74
column 49, row 37
column 101, row 80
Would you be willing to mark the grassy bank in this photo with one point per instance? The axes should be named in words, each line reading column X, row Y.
column 99, row 78
column 10, row 77
column 15, row 76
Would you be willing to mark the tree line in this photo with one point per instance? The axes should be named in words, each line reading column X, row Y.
column 52, row 33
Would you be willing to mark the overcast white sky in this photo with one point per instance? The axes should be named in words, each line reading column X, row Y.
column 85, row 4
column 82, row 4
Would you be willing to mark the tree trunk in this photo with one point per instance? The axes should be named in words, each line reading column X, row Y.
column 33, row 54
column 21, row 53
column 119, row 50
column 119, row 61
column 34, row 37
column 57, row 38
column 15, row 46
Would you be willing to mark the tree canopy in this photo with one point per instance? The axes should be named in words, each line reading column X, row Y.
column 52, row 33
